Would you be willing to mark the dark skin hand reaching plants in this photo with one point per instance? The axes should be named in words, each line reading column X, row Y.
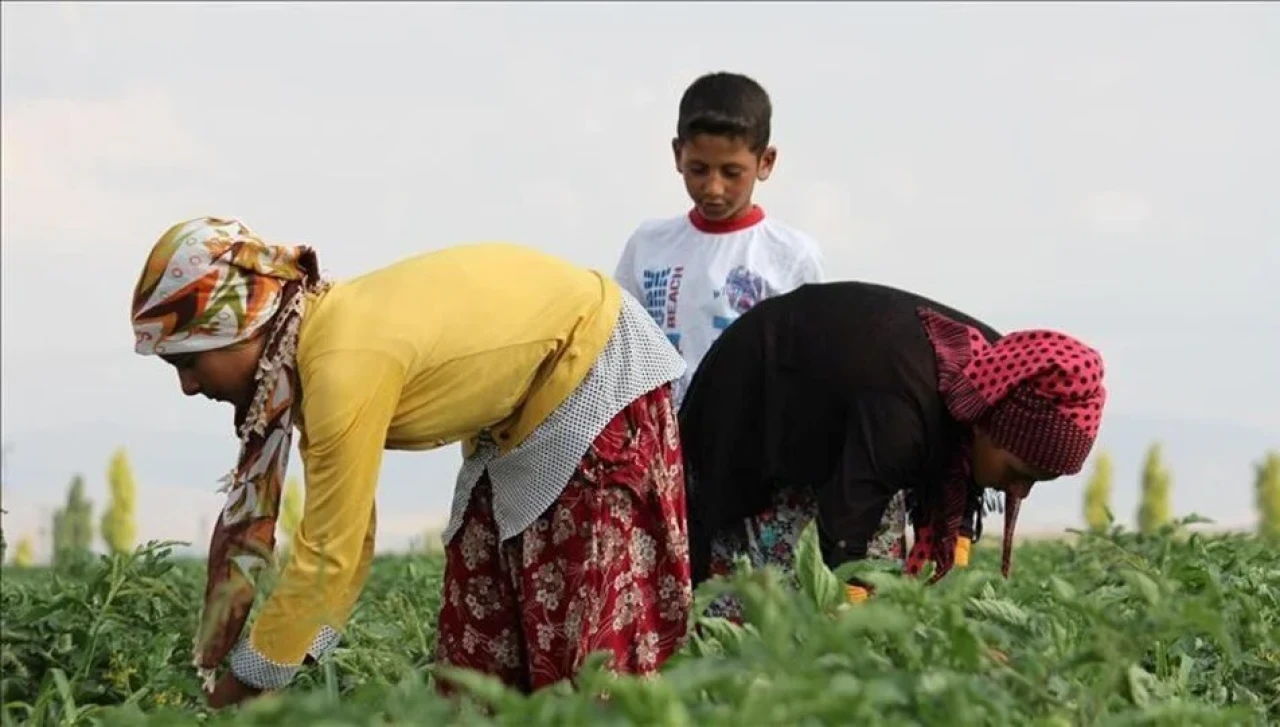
column 230, row 691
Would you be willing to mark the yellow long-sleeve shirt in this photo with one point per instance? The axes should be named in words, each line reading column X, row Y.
column 420, row 354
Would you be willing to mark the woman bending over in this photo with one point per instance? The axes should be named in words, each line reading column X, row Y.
column 823, row 403
column 567, row 532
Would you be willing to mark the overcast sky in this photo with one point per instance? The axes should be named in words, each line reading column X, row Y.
column 1110, row 170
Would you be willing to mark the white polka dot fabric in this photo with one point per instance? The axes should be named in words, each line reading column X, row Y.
column 256, row 670
column 527, row 480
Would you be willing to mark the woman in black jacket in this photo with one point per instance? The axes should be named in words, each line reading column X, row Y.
column 825, row 402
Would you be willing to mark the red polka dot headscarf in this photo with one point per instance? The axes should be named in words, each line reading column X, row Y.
column 1039, row 394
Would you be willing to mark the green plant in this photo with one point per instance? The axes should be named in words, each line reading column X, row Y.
column 1167, row 628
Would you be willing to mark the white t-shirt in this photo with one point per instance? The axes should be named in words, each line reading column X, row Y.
column 696, row 276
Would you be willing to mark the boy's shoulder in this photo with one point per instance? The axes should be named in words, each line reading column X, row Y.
column 661, row 228
column 791, row 237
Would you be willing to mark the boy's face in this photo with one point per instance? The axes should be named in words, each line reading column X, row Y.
column 720, row 173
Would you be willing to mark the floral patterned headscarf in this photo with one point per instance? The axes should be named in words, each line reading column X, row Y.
column 208, row 284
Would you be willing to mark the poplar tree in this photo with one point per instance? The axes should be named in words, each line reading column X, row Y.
column 290, row 511
column 1156, row 508
column 73, row 526
column 24, row 553
column 119, row 527
column 1097, row 495
column 1267, row 486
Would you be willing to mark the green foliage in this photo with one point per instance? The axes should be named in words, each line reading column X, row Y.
column 430, row 543
column 118, row 525
column 4, row 480
column 73, row 528
column 1117, row 629
column 1268, row 496
column 1097, row 495
column 24, row 555
column 1156, row 507
column 290, row 511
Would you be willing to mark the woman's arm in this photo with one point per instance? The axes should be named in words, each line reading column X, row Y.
column 229, row 690
column 882, row 445
column 348, row 399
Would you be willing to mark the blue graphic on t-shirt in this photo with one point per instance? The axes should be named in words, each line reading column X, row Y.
column 655, row 292
column 661, row 288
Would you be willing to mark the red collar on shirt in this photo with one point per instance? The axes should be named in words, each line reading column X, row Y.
column 741, row 222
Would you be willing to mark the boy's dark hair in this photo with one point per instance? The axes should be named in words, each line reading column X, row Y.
column 726, row 104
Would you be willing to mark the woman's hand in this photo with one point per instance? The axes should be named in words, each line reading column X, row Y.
column 230, row 691
column 963, row 547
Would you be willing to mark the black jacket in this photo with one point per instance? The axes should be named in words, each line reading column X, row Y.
column 832, row 386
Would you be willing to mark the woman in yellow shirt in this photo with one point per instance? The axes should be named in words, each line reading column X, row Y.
column 567, row 532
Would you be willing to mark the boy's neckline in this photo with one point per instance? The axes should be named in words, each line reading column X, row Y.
column 751, row 217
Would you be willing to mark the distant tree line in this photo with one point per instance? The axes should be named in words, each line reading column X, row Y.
column 73, row 523
column 1155, row 502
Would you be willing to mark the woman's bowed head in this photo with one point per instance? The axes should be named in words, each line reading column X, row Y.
column 1034, row 399
column 223, row 308
column 203, row 303
column 825, row 403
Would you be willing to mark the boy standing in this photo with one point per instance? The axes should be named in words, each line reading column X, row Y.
column 697, row 272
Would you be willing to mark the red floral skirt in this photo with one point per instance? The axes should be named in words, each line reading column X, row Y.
column 606, row 568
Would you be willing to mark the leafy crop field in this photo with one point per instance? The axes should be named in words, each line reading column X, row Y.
column 1176, row 629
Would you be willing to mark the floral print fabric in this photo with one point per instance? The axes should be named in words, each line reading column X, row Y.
column 606, row 568
column 770, row 538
